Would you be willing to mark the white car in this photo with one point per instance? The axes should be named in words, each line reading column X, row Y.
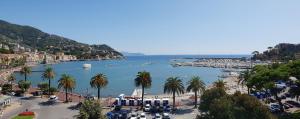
column 147, row 108
column 157, row 116
column 166, row 116
column 143, row 116
column 133, row 116
column 53, row 98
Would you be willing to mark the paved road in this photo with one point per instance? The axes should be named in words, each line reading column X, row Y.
column 42, row 110
column 25, row 104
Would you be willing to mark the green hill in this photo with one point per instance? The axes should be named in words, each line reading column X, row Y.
column 282, row 51
column 32, row 38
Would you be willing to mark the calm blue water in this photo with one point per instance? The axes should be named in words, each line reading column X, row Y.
column 121, row 73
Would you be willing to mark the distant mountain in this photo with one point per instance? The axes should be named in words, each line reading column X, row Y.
column 132, row 54
column 282, row 51
column 30, row 37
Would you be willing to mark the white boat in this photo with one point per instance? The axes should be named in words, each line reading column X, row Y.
column 87, row 65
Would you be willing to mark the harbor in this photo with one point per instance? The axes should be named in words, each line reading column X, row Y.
column 233, row 63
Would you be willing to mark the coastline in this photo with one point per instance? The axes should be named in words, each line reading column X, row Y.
column 232, row 82
column 6, row 72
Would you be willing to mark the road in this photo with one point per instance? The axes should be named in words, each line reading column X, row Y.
column 25, row 104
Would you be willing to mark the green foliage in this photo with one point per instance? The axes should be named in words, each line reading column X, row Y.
column 174, row 85
column 5, row 51
column 283, row 51
column 52, row 90
column 220, row 84
column 143, row 79
column 90, row 110
column 17, row 62
column 295, row 115
column 23, row 117
column 6, row 88
column 66, row 82
column 209, row 96
column 43, row 86
column 197, row 86
column 99, row 81
column 48, row 74
column 24, row 85
column 26, row 70
column 294, row 68
column 216, row 104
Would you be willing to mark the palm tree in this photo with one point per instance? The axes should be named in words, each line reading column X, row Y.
column 243, row 78
column 99, row 81
column 196, row 85
column 66, row 82
column 11, row 78
column 220, row 84
column 143, row 79
column 25, row 71
column 48, row 75
column 174, row 85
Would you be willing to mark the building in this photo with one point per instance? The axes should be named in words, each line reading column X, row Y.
column 62, row 57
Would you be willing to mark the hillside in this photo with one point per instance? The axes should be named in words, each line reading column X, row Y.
column 32, row 38
column 282, row 51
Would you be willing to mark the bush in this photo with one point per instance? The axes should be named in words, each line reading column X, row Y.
column 43, row 86
column 24, row 85
column 6, row 88
column 53, row 90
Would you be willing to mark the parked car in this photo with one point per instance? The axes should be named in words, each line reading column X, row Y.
column 296, row 104
column 167, row 108
column 287, row 95
column 166, row 116
column 147, row 108
column 133, row 116
column 142, row 116
column 53, row 98
column 283, row 97
column 274, row 107
column 290, row 106
column 157, row 116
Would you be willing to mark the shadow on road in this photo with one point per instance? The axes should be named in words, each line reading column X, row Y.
column 48, row 103
column 28, row 98
column 183, row 111
column 75, row 107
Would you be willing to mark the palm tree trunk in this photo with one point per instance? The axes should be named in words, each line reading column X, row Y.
column 25, row 76
column 248, row 90
column 66, row 95
column 98, row 93
column 195, row 99
column 49, row 86
column 143, row 97
column 173, row 100
column 11, row 86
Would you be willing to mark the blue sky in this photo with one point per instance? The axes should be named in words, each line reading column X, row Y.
column 164, row 26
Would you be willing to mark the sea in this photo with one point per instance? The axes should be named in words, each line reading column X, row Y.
column 121, row 73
